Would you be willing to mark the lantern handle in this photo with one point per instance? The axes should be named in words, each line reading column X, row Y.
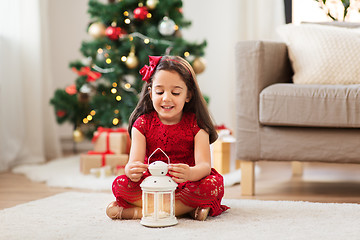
column 162, row 152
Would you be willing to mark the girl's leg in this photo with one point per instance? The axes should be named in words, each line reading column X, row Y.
column 196, row 213
column 203, row 196
column 114, row 211
column 127, row 193
column 181, row 209
column 128, row 200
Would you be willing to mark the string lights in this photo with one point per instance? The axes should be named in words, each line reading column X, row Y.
column 147, row 40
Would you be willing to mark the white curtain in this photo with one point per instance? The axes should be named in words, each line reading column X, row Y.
column 259, row 19
column 27, row 122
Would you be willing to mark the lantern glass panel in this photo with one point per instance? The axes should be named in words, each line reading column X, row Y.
column 164, row 204
column 149, row 204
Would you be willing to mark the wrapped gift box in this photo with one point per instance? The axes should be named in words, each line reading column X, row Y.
column 223, row 153
column 116, row 141
column 89, row 161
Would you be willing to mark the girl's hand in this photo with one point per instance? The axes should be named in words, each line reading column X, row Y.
column 135, row 170
column 180, row 172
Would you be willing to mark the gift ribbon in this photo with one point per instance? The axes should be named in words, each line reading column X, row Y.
column 103, row 154
column 86, row 71
column 220, row 127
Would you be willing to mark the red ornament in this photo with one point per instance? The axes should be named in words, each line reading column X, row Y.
column 71, row 90
column 114, row 33
column 140, row 13
column 60, row 113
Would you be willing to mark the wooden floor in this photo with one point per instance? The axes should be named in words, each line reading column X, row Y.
column 320, row 183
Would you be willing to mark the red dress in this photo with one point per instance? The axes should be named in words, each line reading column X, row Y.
column 177, row 141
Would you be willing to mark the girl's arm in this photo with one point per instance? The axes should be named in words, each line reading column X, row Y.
column 135, row 168
column 202, row 168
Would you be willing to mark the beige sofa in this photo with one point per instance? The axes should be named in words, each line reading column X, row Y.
column 281, row 121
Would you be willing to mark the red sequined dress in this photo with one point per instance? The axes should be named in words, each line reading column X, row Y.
column 177, row 141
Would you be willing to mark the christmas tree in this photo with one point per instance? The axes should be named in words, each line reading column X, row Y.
column 124, row 33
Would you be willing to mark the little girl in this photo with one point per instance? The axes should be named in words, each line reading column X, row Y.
column 172, row 115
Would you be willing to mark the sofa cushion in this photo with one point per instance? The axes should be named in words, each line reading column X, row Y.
column 310, row 105
column 322, row 54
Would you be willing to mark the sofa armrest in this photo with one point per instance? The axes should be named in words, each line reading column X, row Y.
column 258, row 64
column 262, row 63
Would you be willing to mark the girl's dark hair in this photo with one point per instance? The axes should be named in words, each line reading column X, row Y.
column 196, row 104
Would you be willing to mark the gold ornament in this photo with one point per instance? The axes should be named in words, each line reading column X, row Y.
column 78, row 135
column 199, row 65
column 131, row 60
column 151, row 4
column 97, row 30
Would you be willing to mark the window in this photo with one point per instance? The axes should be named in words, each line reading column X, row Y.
column 310, row 11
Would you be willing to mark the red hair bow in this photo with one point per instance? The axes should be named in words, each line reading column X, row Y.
column 147, row 71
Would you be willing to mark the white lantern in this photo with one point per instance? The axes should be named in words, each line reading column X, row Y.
column 158, row 196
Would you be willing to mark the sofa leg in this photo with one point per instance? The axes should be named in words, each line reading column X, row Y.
column 297, row 169
column 247, row 178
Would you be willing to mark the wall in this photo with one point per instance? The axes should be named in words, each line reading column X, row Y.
column 68, row 24
column 219, row 25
